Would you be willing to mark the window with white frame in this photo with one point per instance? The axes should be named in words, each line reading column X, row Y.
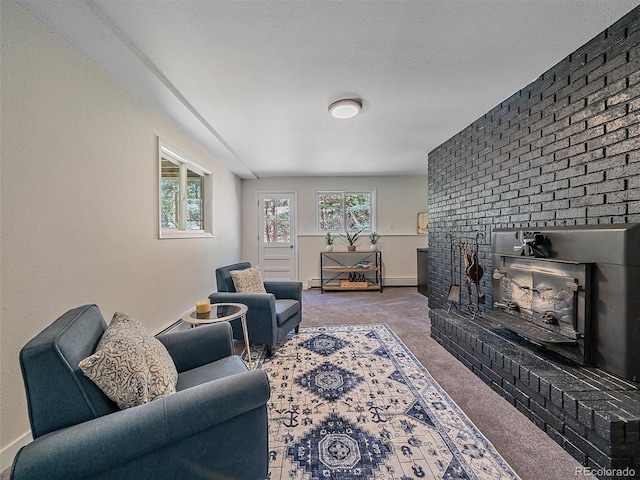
column 185, row 190
column 345, row 211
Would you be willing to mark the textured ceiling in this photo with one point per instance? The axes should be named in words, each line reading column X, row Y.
column 251, row 81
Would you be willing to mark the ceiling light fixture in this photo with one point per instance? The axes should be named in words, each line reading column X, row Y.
column 346, row 108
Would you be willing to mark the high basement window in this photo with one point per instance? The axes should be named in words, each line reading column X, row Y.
column 185, row 197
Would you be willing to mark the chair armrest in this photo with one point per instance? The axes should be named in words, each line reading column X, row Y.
column 216, row 402
column 198, row 346
column 284, row 289
column 110, row 442
column 251, row 300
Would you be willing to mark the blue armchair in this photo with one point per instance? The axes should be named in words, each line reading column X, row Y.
column 200, row 432
column 270, row 316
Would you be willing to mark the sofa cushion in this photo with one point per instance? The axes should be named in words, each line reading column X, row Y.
column 248, row 280
column 212, row 371
column 285, row 309
column 130, row 365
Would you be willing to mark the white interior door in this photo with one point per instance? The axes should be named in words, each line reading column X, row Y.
column 277, row 235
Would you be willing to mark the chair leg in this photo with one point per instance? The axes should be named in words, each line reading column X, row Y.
column 270, row 350
column 297, row 329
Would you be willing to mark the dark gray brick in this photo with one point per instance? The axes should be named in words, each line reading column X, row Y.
column 563, row 150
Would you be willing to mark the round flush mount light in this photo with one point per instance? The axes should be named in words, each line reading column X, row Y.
column 346, row 108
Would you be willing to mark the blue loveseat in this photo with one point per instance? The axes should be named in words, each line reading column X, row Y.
column 213, row 427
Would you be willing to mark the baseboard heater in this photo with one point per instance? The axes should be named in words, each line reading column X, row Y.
column 171, row 327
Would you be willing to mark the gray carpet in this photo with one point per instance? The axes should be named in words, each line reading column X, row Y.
column 527, row 449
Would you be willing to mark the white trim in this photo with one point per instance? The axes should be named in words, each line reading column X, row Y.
column 172, row 327
column 168, row 234
column 170, row 151
column 8, row 453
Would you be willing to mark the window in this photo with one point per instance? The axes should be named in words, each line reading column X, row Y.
column 184, row 192
column 276, row 220
column 345, row 211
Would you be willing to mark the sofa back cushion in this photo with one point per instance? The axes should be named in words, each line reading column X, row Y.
column 58, row 393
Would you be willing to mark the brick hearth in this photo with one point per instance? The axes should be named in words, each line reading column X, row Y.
column 592, row 414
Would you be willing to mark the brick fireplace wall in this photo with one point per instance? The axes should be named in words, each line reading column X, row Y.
column 564, row 150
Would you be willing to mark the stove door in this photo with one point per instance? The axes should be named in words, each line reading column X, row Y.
column 548, row 293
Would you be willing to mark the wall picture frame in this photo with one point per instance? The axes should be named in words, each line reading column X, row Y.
column 423, row 223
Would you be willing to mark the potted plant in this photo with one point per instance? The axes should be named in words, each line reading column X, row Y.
column 373, row 239
column 351, row 238
column 329, row 239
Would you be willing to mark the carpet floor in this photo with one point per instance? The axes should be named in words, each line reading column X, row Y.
column 527, row 449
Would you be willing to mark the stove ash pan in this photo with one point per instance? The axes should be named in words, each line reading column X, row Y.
column 582, row 300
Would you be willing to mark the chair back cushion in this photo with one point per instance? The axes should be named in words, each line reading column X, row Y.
column 224, row 281
column 58, row 393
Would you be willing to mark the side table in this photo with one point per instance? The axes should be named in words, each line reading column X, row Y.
column 222, row 312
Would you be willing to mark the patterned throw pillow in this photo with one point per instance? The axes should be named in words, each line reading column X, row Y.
column 130, row 365
column 248, row 280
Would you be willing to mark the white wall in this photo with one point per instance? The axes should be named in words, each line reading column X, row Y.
column 79, row 213
column 398, row 201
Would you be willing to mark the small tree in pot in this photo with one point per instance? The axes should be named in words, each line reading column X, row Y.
column 351, row 238
column 373, row 239
column 329, row 239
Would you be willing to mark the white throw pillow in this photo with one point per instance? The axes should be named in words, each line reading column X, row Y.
column 130, row 365
column 248, row 280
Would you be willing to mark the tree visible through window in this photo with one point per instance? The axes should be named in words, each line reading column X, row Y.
column 277, row 220
column 182, row 195
column 195, row 201
column 345, row 211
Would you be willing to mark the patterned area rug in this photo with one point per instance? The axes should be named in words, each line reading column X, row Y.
column 352, row 402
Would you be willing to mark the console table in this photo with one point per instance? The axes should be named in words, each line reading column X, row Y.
column 351, row 270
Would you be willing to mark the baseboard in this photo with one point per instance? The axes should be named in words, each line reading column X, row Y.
column 400, row 282
column 177, row 325
column 8, row 453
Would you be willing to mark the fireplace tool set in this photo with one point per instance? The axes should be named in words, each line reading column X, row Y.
column 465, row 268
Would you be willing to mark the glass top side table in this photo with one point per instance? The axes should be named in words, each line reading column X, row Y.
column 222, row 312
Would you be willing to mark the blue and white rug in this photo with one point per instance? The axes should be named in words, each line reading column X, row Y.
column 352, row 402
